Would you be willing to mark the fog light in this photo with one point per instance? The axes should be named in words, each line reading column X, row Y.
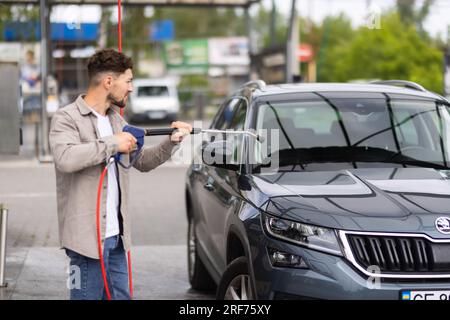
column 287, row 260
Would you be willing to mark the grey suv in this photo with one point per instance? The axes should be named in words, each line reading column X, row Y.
column 329, row 191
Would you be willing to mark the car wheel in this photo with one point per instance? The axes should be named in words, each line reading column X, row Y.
column 199, row 276
column 235, row 283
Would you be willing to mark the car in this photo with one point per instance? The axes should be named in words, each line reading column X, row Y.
column 323, row 191
column 153, row 99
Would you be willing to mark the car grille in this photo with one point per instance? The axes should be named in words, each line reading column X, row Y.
column 396, row 254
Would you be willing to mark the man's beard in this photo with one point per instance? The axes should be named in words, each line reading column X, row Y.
column 120, row 103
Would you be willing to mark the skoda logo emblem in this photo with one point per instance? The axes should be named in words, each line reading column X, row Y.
column 443, row 225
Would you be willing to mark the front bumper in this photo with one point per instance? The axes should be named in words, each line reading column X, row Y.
column 327, row 276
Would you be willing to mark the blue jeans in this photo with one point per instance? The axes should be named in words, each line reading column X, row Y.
column 86, row 281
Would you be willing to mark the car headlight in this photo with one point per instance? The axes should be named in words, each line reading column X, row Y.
column 318, row 238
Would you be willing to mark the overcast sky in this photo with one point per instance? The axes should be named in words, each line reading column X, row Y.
column 437, row 21
column 357, row 10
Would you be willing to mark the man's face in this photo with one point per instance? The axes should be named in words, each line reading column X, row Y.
column 120, row 88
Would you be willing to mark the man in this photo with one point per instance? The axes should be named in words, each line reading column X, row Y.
column 30, row 72
column 84, row 135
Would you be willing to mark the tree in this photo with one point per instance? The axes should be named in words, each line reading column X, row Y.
column 396, row 51
column 328, row 40
column 410, row 15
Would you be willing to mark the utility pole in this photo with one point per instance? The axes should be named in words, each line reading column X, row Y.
column 44, row 155
column 273, row 24
column 292, row 65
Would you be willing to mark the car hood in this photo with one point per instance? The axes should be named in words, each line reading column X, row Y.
column 376, row 199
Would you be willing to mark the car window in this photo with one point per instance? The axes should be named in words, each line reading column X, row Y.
column 355, row 132
column 406, row 129
column 153, row 91
column 238, row 120
column 224, row 119
column 237, row 123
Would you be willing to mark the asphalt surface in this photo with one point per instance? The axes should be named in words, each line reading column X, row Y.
column 36, row 268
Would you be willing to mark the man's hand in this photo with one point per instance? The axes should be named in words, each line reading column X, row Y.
column 184, row 129
column 127, row 142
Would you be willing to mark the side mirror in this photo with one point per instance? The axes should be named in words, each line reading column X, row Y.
column 219, row 154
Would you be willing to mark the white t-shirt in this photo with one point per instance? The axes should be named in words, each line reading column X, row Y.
column 112, row 200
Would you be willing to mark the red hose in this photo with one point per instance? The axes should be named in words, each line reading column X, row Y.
column 99, row 242
column 130, row 274
column 99, row 234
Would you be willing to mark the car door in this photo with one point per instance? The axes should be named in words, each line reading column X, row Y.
column 217, row 194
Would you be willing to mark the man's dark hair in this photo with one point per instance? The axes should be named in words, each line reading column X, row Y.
column 107, row 60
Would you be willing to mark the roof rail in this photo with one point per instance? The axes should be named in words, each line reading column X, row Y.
column 255, row 84
column 402, row 83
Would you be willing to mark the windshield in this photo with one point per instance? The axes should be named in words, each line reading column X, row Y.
column 153, row 91
column 333, row 134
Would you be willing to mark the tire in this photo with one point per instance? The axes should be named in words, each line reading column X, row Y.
column 236, row 277
column 199, row 277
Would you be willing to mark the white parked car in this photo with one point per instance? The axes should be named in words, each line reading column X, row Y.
column 153, row 99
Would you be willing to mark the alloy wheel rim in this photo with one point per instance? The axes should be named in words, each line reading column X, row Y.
column 239, row 288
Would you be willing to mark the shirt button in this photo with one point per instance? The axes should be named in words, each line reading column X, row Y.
column 104, row 216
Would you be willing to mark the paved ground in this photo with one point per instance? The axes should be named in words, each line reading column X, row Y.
column 36, row 268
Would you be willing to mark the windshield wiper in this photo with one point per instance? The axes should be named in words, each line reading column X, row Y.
column 303, row 156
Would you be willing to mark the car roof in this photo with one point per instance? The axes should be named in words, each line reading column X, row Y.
column 340, row 87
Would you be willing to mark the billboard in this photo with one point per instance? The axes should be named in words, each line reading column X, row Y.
column 232, row 51
column 187, row 56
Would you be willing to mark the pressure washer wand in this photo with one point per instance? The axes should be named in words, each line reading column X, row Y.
column 140, row 133
column 166, row 131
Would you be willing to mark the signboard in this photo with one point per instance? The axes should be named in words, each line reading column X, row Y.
column 14, row 31
column 163, row 30
column 305, row 53
column 187, row 56
column 82, row 32
column 231, row 51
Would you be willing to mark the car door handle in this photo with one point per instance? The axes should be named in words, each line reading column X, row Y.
column 208, row 186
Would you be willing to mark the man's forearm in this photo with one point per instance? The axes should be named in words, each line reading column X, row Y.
column 152, row 157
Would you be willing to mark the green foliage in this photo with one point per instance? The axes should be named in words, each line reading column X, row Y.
column 396, row 51
column 329, row 40
column 409, row 14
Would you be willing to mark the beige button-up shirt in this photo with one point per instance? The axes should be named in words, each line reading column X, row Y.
column 80, row 155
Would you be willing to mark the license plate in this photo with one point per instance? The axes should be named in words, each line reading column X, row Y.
column 425, row 295
column 156, row 114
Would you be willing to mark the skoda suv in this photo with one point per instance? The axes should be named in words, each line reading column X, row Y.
column 323, row 191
